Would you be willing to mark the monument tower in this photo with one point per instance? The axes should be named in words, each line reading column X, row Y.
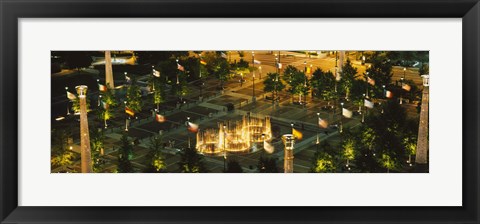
column 421, row 157
column 84, row 134
column 289, row 142
column 108, row 70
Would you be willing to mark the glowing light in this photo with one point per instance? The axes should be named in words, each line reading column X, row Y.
column 235, row 137
column 59, row 118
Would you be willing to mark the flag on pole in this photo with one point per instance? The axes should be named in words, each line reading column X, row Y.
column 129, row 111
column 160, row 118
column 322, row 123
column 102, row 88
column 368, row 104
column 257, row 62
column 203, row 62
column 309, row 70
column 406, row 87
column 388, row 94
column 192, row 127
column 104, row 105
column 71, row 96
column 370, row 81
column 223, row 55
column 268, row 147
column 180, row 67
column 279, row 65
column 127, row 78
column 156, row 73
column 347, row 113
column 297, row 134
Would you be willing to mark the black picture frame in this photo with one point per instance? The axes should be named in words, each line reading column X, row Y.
column 11, row 11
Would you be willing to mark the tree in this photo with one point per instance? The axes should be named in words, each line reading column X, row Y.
column 125, row 155
column 155, row 156
column 217, row 66
column 349, row 75
column 272, row 84
column 323, row 163
column 267, row 165
column 97, row 147
column 134, row 97
column 233, row 167
column 61, row 156
column 191, row 162
column 381, row 72
column 297, row 81
column 348, row 149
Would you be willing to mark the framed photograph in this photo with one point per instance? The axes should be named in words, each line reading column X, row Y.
column 239, row 111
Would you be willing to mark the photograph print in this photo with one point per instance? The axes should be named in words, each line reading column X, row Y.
column 240, row 111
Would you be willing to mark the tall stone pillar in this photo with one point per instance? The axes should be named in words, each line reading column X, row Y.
column 421, row 156
column 108, row 70
column 84, row 134
column 289, row 142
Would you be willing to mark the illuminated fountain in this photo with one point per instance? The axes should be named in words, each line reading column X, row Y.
column 234, row 137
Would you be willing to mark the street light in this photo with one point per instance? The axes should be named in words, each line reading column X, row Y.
column 188, row 123
column 318, row 139
column 404, row 70
column 68, row 106
column 401, row 94
column 126, row 119
column 253, row 78
column 341, row 119
column 224, row 148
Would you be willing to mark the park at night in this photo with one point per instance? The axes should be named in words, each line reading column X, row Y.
column 240, row 111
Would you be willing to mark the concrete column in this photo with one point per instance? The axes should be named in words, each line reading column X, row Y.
column 84, row 134
column 421, row 156
column 108, row 70
column 289, row 142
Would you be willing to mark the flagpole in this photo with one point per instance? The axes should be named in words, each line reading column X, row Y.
column 253, row 78
column 126, row 118
column 341, row 119
column 188, row 123
column 363, row 114
column 68, row 106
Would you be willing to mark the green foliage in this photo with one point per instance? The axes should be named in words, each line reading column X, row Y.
column 273, row 83
column 387, row 162
column 60, row 155
column 323, row 163
column 217, row 66
column 297, row 81
column 381, row 72
column 349, row 149
column 155, row 156
column 125, row 155
column 134, row 97
column 191, row 162
column 96, row 146
column 267, row 165
column 349, row 75
column 323, row 84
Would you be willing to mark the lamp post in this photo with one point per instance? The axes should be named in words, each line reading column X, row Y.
column 68, row 106
column 401, row 86
column 363, row 114
column 177, row 71
column 404, row 70
column 126, row 119
column 224, row 148
column 253, row 78
column 188, row 123
column 341, row 119
column 318, row 139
